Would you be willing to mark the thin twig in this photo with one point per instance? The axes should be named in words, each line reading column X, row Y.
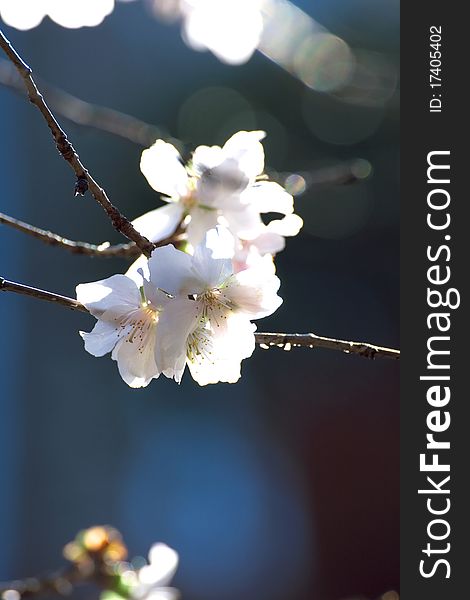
column 53, row 239
column 84, row 179
column 286, row 341
column 26, row 290
column 84, row 113
column 105, row 249
column 266, row 340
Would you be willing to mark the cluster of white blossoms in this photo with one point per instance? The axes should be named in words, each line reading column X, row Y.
column 195, row 307
column 220, row 186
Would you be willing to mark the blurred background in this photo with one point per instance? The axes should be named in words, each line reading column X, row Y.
column 284, row 485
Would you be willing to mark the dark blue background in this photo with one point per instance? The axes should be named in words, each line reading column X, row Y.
column 282, row 486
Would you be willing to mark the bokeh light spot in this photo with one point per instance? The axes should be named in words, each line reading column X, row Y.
column 361, row 168
column 324, row 62
column 295, row 184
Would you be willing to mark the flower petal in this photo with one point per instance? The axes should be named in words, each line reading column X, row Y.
column 290, row 225
column 261, row 249
column 171, row 271
column 268, row 196
column 246, row 148
column 162, row 167
column 253, row 291
column 213, row 272
column 206, row 157
column 229, row 171
column 220, row 242
column 160, row 223
column 223, row 351
column 222, row 185
column 202, row 219
column 117, row 295
column 136, row 363
column 178, row 319
column 137, row 268
column 244, row 223
column 269, row 243
column 102, row 338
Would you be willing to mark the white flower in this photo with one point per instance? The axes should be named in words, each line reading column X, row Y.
column 128, row 315
column 207, row 324
column 153, row 579
column 230, row 29
column 26, row 14
column 180, row 309
column 219, row 186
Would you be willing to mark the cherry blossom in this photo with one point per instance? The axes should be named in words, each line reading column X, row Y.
column 127, row 322
column 181, row 309
column 220, row 185
column 207, row 324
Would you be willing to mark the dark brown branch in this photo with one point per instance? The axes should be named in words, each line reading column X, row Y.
column 53, row 239
column 85, row 113
column 26, row 290
column 101, row 250
column 265, row 340
column 84, row 179
column 286, row 341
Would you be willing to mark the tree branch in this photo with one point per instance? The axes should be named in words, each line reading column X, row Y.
column 53, row 239
column 265, row 340
column 26, row 290
column 84, row 179
column 105, row 249
column 286, row 341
